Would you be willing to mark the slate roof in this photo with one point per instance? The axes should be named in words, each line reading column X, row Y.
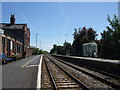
column 9, row 26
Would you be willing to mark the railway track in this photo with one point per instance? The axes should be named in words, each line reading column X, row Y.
column 60, row 78
column 110, row 82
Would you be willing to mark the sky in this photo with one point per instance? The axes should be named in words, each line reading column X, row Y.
column 52, row 20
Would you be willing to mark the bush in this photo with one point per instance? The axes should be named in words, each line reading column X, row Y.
column 13, row 58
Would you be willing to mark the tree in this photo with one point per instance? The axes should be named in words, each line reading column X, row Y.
column 98, row 42
column 35, row 51
column 53, row 50
column 42, row 52
column 61, row 49
column 66, row 45
column 81, row 36
column 67, row 48
column 110, row 39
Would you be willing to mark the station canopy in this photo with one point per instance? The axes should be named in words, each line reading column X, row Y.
column 90, row 43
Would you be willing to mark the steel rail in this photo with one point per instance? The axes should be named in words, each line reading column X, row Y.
column 100, row 71
column 73, row 77
column 92, row 75
column 51, row 77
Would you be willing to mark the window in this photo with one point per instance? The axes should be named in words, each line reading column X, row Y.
column 17, row 48
column 13, row 46
column 8, row 47
column 3, row 45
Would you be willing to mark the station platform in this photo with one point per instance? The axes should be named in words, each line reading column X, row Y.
column 105, row 65
column 98, row 59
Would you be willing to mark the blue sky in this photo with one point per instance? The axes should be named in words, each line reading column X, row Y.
column 52, row 20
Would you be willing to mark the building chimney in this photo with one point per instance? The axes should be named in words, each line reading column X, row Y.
column 12, row 19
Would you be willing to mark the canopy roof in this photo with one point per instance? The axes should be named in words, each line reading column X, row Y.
column 90, row 43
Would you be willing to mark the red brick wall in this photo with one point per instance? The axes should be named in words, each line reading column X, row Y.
column 27, row 41
column 13, row 50
column 5, row 46
column 12, row 38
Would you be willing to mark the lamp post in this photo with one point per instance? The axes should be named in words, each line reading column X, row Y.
column 66, row 37
column 57, row 43
column 40, row 45
column 36, row 40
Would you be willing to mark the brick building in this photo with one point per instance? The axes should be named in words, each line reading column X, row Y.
column 1, row 33
column 15, row 39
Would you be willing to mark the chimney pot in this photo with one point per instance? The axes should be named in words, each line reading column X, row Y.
column 12, row 19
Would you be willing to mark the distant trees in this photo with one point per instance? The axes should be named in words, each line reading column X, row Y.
column 61, row 49
column 42, row 52
column 110, row 41
column 53, row 50
column 36, row 51
column 82, row 35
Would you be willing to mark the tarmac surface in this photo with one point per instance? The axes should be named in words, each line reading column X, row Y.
column 21, row 73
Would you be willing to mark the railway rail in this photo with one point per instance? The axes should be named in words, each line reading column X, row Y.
column 108, row 79
column 60, row 78
column 105, row 66
column 101, row 81
column 65, row 75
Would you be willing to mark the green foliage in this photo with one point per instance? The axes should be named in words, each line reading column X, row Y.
column 54, row 49
column 98, row 42
column 61, row 49
column 35, row 51
column 66, row 45
column 110, row 39
column 81, row 36
column 42, row 52
column 12, row 57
